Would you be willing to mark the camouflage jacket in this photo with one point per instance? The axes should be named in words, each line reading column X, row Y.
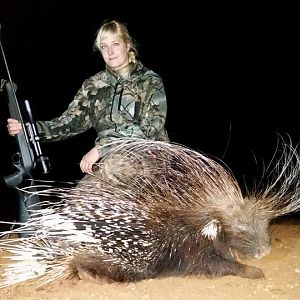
column 114, row 108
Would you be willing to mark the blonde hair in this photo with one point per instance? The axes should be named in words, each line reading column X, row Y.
column 120, row 29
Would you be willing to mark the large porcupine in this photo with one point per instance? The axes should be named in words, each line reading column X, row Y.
column 154, row 209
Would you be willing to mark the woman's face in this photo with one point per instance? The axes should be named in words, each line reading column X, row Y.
column 114, row 52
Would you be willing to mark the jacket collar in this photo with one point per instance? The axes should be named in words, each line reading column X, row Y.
column 138, row 67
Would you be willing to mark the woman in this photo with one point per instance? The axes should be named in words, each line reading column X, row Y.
column 124, row 100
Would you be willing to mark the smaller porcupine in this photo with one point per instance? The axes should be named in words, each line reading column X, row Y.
column 173, row 212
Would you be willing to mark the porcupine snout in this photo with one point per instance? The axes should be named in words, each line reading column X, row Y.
column 261, row 243
column 263, row 251
column 254, row 248
column 249, row 232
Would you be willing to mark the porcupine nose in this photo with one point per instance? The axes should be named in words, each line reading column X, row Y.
column 263, row 251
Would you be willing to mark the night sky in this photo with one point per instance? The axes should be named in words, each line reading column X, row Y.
column 230, row 73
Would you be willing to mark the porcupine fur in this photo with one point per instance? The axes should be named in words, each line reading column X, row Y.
column 154, row 209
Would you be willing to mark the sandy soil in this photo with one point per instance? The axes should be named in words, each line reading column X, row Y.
column 281, row 267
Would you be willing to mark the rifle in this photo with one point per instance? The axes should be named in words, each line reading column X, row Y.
column 30, row 156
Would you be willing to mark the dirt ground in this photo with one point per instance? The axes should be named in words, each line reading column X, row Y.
column 281, row 267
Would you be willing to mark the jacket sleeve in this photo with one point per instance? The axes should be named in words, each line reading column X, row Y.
column 73, row 121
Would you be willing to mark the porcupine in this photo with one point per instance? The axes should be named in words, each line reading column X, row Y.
column 173, row 212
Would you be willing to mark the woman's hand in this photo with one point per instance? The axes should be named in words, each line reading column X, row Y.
column 13, row 126
column 88, row 160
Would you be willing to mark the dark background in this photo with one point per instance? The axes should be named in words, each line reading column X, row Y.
column 230, row 74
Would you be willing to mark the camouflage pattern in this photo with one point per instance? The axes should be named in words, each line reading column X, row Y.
column 114, row 108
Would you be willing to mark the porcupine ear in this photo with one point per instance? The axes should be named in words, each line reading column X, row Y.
column 212, row 229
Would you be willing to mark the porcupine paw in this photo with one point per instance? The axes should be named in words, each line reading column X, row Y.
column 90, row 275
column 87, row 276
column 252, row 273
